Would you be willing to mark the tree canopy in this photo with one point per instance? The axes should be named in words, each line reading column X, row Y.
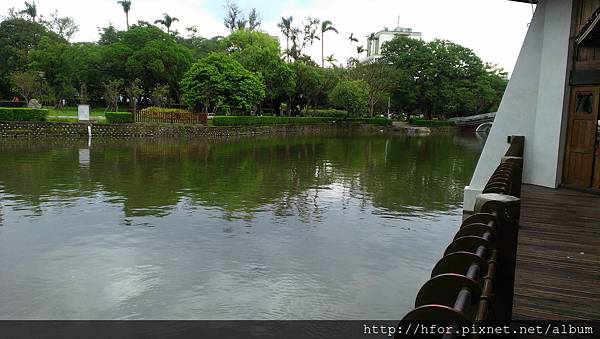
column 218, row 81
column 414, row 76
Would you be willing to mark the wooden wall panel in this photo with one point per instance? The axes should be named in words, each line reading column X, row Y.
column 589, row 57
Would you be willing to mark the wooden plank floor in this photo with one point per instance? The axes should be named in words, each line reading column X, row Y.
column 558, row 258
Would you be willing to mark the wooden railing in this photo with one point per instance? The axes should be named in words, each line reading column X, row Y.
column 474, row 281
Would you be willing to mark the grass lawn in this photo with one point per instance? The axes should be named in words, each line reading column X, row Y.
column 72, row 112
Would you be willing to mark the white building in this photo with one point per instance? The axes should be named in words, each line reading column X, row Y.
column 375, row 41
column 552, row 99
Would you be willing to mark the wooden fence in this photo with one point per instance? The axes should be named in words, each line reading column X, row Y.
column 170, row 116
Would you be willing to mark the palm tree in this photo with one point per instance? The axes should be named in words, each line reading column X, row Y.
column 360, row 50
column 352, row 38
column 326, row 26
column 286, row 28
column 167, row 21
column 30, row 10
column 126, row 7
column 331, row 60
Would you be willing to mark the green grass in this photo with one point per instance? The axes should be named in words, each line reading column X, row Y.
column 72, row 112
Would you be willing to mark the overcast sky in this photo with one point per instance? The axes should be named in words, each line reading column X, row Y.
column 494, row 29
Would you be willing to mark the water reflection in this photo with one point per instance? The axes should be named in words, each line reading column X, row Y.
column 302, row 228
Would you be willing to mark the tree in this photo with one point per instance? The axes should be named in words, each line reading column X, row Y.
column 166, row 21
column 112, row 91
column 352, row 38
column 160, row 95
column 134, row 92
column 380, row 79
column 233, row 15
column 359, row 50
column 351, row 95
column 126, row 4
column 18, row 37
column 27, row 83
column 286, row 28
column 51, row 59
column 220, row 82
column 260, row 53
column 331, row 60
column 326, row 26
column 64, row 27
column 149, row 54
column 30, row 10
column 302, row 37
column 254, row 20
column 445, row 78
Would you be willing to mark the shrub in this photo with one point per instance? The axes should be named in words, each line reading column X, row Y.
column 268, row 120
column 22, row 114
column 334, row 113
column 423, row 122
column 14, row 104
column 371, row 121
column 119, row 117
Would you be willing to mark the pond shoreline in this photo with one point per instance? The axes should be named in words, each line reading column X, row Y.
column 138, row 130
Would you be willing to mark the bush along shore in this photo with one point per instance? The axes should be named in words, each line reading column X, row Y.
column 178, row 115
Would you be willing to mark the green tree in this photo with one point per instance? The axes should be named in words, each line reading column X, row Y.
column 254, row 20
column 260, row 53
column 134, row 92
column 351, row 95
column 218, row 81
column 149, row 54
column 63, row 26
column 166, row 21
column 112, row 91
column 50, row 58
column 326, row 26
column 446, row 79
column 30, row 10
column 380, row 78
column 126, row 4
column 160, row 95
column 18, row 37
column 286, row 28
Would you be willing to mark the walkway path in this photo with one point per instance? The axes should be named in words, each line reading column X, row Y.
column 558, row 258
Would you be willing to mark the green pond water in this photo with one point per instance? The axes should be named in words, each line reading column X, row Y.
column 330, row 227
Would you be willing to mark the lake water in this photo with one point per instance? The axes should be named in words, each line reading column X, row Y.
column 287, row 228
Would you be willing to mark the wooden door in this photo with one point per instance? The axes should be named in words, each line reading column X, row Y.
column 581, row 142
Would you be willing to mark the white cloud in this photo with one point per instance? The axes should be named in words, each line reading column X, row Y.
column 494, row 29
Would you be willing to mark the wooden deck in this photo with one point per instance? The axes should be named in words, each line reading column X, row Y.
column 558, row 258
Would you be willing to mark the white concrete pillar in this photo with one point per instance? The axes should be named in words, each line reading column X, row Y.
column 533, row 103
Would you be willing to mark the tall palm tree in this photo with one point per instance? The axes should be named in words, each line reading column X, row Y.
column 30, row 10
column 326, row 26
column 352, row 38
column 126, row 7
column 167, row 21
column 286, row 28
